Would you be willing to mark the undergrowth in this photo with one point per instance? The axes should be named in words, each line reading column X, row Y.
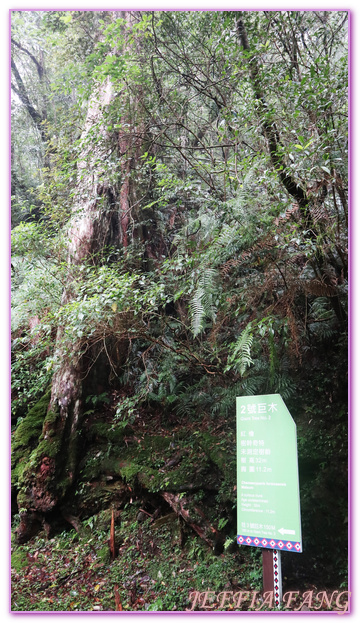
column 160, row 566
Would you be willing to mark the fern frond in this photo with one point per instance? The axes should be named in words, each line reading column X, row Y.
column 283, row 384
column 241, row 355
column 202, row 304
column 319, row 288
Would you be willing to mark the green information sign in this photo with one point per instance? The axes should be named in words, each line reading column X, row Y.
column 268, row 502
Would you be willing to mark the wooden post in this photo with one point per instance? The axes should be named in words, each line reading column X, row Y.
column 268, row 572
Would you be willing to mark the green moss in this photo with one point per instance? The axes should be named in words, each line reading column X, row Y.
column 47, row 447
column 98, row 462
column 111, row 433
column 18, row 559
column 17, row 471
column 104, row 554
column 91, row 498
column 30, row 427
column 144, row 474
column 155, row 443
column 26, row 436
column 116, row 458
column 145, row 462
column 26, row 461
column 208, row 443
column 148, row 461
column 225, row 460
column 51, row 418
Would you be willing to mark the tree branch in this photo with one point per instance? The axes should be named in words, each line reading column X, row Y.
column 275, row 148
column 38, row 65
column 21, row 92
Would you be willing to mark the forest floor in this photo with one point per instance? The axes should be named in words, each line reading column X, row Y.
column 159, row 566
column 160, row 563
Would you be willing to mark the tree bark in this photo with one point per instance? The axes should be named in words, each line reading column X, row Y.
column 100, row 218
column 95, row 223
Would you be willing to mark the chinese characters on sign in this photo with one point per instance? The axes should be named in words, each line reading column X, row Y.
column 267, row 474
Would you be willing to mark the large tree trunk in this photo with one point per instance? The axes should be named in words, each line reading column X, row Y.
column 98, row 219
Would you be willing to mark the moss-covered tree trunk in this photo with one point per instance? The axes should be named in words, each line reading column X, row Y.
column 99, row 219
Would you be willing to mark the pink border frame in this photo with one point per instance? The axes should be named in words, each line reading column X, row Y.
column 351, row 316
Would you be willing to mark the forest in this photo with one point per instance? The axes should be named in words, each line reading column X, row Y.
column 179, row 238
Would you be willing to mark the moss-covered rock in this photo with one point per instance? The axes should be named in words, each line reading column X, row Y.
column 155, row 462
column 90, row 498
column 42, row 458
column 42, row 472
column 223, row 456
column 30, row 427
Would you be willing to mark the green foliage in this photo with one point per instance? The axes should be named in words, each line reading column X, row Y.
column 229, row 283
column 240, row 357
column 73, row 572
column 202, row 302
column 31, row 374
column 98, row 399
column 36, row 279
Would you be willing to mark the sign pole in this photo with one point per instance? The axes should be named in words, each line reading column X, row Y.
column 277, row 577
column 267, row 483
column 272, row 580
column 268, row 571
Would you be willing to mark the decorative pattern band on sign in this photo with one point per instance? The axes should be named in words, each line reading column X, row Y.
column 282, row 544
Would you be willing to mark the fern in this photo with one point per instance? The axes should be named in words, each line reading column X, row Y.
column 240, row 358
column 202, row 303
column 224, row 404
column 283, row 385
column 194, row 398
column 320, row 309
